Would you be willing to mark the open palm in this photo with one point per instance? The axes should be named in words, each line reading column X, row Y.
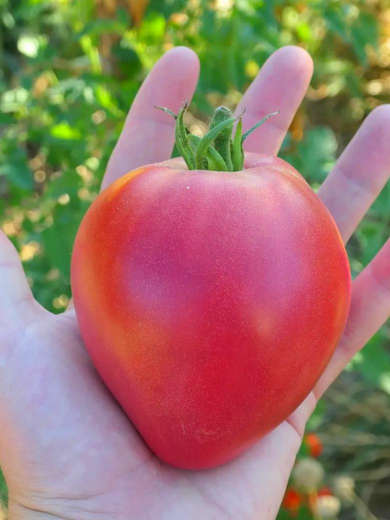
column 66, row 448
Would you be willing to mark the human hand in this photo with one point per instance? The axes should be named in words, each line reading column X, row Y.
column 66, row 448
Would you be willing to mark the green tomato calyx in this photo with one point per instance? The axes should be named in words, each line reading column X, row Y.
column 218, row 149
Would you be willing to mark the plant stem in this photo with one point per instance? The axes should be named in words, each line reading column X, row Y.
column 217, row 149
column 222, row 143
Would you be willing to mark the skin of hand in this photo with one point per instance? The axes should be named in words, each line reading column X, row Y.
column 66, row 448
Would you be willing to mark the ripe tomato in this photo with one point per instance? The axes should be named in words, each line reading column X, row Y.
column 292, row 500
column 210, row 302
column 314, row 444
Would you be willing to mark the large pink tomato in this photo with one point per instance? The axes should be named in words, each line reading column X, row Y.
column 210, row 302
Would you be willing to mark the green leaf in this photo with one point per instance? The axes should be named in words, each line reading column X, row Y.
column 3, row 489
column 336, row 21
column 14, row 165
column 373, row 363
column 152, row 29
column 364, row 32
column 19, row 174
column 65, row 131
column 127, row 58
column 106, row 100
column 101, row 26
column 58, row 239
column 317, row 153
column 6, row 119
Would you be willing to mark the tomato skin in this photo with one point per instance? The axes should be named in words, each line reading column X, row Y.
column 210, row 302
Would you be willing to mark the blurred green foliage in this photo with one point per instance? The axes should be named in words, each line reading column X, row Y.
column 69, row 71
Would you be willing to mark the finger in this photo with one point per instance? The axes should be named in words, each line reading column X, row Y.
column 360, row 173
column 16, row 299
column 148, row 134
column 280, row 85
column 370, row 308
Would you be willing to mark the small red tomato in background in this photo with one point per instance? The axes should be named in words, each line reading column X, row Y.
column 210, row 301
column 325, row 491
column 292, row 500
column 314, row 444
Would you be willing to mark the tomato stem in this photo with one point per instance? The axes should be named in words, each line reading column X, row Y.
column 215, row 161
column 209, row 138
column 182, row 142
column 248, row 133
column 238, row 150
column 223, row 139
column 217, row 149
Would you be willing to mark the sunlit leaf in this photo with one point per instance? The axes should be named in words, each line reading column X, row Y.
column 65, row 131
column 28, row 45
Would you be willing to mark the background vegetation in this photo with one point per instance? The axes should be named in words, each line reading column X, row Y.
column 69, row 70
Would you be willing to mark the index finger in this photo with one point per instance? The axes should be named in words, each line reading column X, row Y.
column 148, row 134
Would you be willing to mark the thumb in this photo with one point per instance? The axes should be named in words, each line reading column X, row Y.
column 17, row 305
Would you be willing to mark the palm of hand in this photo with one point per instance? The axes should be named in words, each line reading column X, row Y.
column 79, row 457
column 66, row 448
